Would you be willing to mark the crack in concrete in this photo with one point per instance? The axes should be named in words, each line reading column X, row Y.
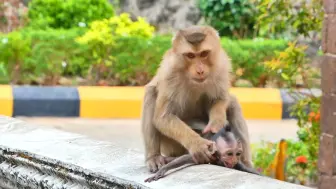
column 20, row 169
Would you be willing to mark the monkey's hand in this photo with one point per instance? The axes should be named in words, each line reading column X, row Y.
column 202, row 150
column 214, row 126
column 155, row 162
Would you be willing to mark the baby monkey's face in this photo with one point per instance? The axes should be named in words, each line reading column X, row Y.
column 229, row 152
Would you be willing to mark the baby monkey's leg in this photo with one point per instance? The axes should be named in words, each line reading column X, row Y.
column 177, row 162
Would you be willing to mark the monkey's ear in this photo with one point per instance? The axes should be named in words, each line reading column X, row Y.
column 239, row 141
column 174, row 36
column 217, row 34
column 177, row 34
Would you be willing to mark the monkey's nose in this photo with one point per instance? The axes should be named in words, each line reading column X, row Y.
column 200, row 72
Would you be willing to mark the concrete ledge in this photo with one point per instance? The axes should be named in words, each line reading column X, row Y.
column 37, row 157
column 19, row 169
column 123, row 102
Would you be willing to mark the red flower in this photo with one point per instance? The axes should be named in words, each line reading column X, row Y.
column 301, row 159
column 314, row 116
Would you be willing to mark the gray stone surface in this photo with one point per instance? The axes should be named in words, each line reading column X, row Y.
column 110, row 159
column 166, row 16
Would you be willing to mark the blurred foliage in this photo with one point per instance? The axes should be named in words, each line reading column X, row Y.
column 288, row 67
column 282, row 18
column 264, row 155
column 67, row 14
column 134, row 59
column 138, row 59
column 248, row 56
column 263, row 18
column 55, row 53
column 292, row 66
column 40, row 56
column 101, row 40
column 234, row 18
column 14, row 48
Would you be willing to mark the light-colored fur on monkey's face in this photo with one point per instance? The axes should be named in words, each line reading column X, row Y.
column 198, row 61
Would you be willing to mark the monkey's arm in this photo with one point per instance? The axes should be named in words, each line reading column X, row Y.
column 241, row 167
column 152, row 146
column 217, row 115
column 150, row 134
column 177, row 162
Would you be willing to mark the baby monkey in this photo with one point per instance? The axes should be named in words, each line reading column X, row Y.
column 228, row 152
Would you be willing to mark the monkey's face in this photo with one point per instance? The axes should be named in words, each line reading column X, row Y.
column 198, row 48
column 229, row 153
column 198, row 67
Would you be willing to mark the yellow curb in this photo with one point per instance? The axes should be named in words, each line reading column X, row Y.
column 126, row 102
column 259, row 103
column 110, row 102
column 6, row 100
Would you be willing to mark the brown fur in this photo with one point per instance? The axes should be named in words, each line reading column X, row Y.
column 173, row 97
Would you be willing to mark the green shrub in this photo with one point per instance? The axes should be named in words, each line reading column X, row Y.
column 284, row 18
column 67, row 13
column 137, row 59
column 4, row 78
column 14, row 48
column 46, row 55
column 56, row 53
column 42, row 56
column 101, row 39
column 230, row 17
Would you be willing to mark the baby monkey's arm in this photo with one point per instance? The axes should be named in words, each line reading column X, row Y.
column 177, row 162
column 241, row 167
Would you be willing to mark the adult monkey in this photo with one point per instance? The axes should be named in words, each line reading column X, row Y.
column 192, row 83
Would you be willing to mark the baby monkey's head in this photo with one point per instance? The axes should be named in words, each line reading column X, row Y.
column 229, row 148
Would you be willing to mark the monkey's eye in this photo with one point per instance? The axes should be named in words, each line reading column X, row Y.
column 230, row 154
column 204, row 54
column 190, row 55
column 238, row 154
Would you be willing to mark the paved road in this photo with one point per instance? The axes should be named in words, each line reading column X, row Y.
column 129, row 131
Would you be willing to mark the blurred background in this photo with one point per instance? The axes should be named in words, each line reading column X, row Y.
column 272, row 44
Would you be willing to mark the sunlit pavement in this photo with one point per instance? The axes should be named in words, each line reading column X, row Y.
column 128, row 132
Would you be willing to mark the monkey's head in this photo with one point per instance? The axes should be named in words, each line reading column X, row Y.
column 196, row 48
column 229, row 149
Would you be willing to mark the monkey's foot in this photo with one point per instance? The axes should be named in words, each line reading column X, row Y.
column 156, row 177
column 155, row 163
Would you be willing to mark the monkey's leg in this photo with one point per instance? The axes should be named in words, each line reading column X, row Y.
column 171, row 148
column 239, row 128
column 151, row 135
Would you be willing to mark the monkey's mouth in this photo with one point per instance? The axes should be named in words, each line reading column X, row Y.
column 228, row 165
column 199, row 80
